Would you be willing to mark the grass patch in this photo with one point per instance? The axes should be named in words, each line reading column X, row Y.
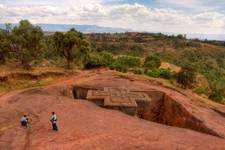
column 199, row 90
column 21, row 84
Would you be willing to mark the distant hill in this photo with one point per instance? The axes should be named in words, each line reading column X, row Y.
column 100, row 29
column 81, row 28
column 219, row 37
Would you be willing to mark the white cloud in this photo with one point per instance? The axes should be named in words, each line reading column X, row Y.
column 182, row 3
column 193, row 5
column 134, row 16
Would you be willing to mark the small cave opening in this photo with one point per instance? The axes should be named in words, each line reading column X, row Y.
column 161, row 109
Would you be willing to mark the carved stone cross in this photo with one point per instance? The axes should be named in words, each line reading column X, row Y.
column 116, row 97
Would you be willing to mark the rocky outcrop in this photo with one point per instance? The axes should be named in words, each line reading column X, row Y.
column 165, row 105
column 172, row 120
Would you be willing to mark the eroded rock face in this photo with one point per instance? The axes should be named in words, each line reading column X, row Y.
column 174, row 114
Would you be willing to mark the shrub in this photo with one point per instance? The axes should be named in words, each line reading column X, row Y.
column 107, row 59
column 159, row 73
column 217, row 97
column 165, row 73
column 119, row 67
column 137, row 50
column 129, row 61
column 152, row 61
column 200, row 90
column 94, row 61
column 99, row 59
column 186, row 77
column 153, row 73
column 137, row 70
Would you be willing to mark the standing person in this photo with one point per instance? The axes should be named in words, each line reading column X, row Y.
column 53, row 121
column 24, row 121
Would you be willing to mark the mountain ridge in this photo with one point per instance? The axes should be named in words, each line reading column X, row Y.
column 101, row 29
column 81, row 28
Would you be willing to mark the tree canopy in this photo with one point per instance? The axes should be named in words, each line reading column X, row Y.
column 4, row 49
column 26, row 39
column 71, row 45
column 152, row 61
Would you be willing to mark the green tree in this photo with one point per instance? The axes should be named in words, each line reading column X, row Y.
column 5, row 43
column 4, row 47
column 186, row 77
column 26, row 39
column 218, row 93
column 72, row 45
column 107, row 58
column 152, row 61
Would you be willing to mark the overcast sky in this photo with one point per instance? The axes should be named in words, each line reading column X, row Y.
column 183, row 16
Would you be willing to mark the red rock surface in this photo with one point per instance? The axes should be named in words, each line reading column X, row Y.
column 83, row 125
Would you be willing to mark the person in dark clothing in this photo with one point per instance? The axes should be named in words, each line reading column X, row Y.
column 53, row 121
column 24, row 121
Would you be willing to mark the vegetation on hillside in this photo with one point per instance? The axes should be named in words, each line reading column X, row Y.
column 186, row 77
column 206, row 57
column 27, row 45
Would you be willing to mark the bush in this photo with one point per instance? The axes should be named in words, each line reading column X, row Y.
column 217, row 97
column 137, row 70
column 123, row 63
column 153, row 73
column 152, row 61
column 136, row 50
column 107, row 59
column 102, row 59
column 94, row 61
column 129, row 61
column 119, row 67
column 200, row 90
column 159, row 73
column 165, row 73
column 186, row 77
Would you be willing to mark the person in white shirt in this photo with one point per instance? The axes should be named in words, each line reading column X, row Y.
column 24, row 121
column 53, row 121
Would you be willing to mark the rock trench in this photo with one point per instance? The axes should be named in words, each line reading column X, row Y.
column 158, row 107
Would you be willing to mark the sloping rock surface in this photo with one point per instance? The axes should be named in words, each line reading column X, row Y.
column 84, row 125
